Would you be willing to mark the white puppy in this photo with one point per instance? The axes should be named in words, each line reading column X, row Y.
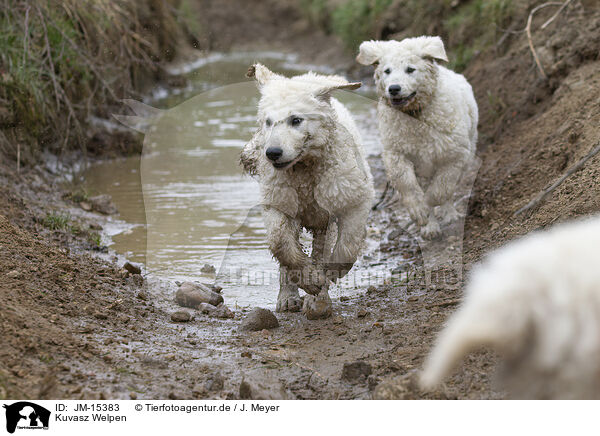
column 428, row 125
column 308, row 156
column 537, row 301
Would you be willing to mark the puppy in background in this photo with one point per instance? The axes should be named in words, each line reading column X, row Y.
column 428, row 125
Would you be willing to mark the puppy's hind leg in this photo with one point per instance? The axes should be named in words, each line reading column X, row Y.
column 431, row 230
column 447, row 213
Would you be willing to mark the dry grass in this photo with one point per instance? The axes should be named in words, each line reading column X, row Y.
column 62, row 61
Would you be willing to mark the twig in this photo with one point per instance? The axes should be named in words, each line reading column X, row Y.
column 542, row 195
column 49, row 56
column 528, row 30
column 552, row 18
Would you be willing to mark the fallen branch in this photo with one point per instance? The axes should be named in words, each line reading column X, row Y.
column 530, row 41
column 542, row 195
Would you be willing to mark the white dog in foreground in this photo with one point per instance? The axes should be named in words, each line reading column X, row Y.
column 537, row 302
column 313, row 174
column 428, row 125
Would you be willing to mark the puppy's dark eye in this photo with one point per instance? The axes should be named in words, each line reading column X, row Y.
column 410, row 70
column 268, row 122
column 387, row 71
column 295, row 121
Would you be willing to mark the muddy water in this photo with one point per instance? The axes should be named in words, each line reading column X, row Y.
column 186, row 200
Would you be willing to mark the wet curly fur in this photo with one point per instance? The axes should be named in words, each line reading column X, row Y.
column 321, row 182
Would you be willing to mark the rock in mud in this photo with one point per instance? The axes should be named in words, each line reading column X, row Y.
column 253, row 390
column 181, row 316
column 215, row 383
column 356, row 370
column 133, row 269
column 103, row 204
column 194, row 294
column 208, row 269
column 216, row 288
column 259, row 319
column 85, row 205
column 361, row 313
column 222, row 312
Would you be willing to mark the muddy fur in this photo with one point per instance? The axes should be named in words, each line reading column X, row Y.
column 324, row 186
column 428, row 128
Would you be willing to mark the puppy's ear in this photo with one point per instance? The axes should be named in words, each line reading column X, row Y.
column 261, row 74
column 369, row 52
column 324, row 93
column 432, row 47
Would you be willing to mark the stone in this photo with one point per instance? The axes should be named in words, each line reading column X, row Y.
column 194, row 294
column 208, row 269
column 259, row 319
column 181, row 316
column 215, row 382
column 103, row 204
column 133, row 269
column 254, row 390
column 355, row 370
column 223, row 312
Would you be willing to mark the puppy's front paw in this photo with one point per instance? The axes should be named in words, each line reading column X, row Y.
column 288, row 303
column 431, row 230
column 317, row 306
column 418, row 212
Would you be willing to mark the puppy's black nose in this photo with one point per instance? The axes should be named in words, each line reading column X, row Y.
column 274, row 153
column 394, row 89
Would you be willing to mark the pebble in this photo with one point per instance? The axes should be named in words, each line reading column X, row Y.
column 222, row 312
column 356, row 370
column 14, row 274
column 85, row 205
column 103, row 204
column 259, row 319
column 215, row 383
column 252, row 390
column 133, row 269
column 181, row 316
column 208, row 269
column 100, row 315
column 361, row 313
column 194, row 294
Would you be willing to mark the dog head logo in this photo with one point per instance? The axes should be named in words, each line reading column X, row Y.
column 26, row 415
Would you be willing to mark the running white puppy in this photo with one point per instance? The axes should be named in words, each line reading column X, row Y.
column 308, row 156
column 428, row 125
column 537, row 301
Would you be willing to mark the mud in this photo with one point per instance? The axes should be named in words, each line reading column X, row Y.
column 73, row 325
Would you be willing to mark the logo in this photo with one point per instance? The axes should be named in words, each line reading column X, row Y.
column 26, row 415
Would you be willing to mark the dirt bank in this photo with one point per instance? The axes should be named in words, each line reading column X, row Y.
column 73, row 326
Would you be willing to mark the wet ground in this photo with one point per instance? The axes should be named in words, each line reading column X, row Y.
column 75, row 326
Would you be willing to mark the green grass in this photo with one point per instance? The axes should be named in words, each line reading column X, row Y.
column 466, row 29
column 95, row 238
column 355, row 20
column 61, row 62
column 56, row 221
